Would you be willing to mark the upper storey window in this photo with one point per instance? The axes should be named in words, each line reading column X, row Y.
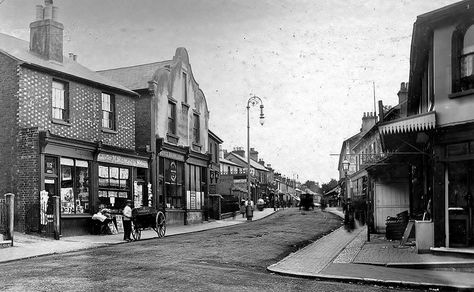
column 196, row 129
column 463, row 58
column 171, row 118
column 185, row 87
column 60, row 105
column 467, row 59
column 108, row 111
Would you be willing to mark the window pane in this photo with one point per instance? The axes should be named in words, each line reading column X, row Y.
column 467, row 65
column 469, row 41
column 59, row 100
column 82, row 188
column 67, row 194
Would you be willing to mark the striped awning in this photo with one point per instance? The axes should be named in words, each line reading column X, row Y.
column 417, row 123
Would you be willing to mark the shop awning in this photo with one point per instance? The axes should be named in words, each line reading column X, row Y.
column 416, row 123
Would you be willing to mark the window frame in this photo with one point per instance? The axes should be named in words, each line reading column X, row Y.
column 65, row 102
column 196, row 129
column 184, row 85
column 171, row 118
column 457, row 55
column 111, row 112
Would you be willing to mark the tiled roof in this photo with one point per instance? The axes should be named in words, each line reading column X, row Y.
column 134, row 77
column 19, row 49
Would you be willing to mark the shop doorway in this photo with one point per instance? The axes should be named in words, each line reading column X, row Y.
column 459, row 200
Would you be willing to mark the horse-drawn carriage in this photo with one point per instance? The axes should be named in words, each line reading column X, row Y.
column 147, row 217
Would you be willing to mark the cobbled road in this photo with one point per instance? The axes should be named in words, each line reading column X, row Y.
column 224, row 259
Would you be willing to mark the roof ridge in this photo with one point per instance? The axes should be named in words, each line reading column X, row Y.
column 134, row 66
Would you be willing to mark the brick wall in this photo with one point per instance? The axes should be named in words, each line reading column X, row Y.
column 85, row 111
column 28, row 174
column 8, row 128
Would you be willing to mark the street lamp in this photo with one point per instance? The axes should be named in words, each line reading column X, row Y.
column 345, row 168
column 253, row 101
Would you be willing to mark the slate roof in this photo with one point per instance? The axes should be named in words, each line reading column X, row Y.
column 20, row 50
column 134, row 77
column 225, row 161
column 253, row 163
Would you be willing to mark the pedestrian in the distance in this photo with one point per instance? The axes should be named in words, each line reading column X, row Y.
column 242, row 208
column 127, row 221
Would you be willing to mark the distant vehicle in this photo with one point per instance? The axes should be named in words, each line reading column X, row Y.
column 307, row 201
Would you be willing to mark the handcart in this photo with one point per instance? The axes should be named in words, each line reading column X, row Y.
column 147, row 217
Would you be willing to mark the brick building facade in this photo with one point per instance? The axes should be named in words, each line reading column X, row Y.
column 64, row 129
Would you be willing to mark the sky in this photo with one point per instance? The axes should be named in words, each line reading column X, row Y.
column 317, row 65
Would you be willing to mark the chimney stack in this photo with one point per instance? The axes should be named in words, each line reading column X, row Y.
column 368, row 121
column 46, row 33
column 239, row 151
column 402, row 99
column 253, row 154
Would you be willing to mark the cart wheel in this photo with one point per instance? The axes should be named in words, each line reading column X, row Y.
column 136, row 232
column 160, row 224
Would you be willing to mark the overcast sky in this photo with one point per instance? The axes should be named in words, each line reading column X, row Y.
column 312, row 62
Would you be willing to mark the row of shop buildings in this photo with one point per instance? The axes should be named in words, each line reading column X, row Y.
column 97, row 139
column 418, row 156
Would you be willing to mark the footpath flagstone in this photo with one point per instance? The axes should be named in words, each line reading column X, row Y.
column 313, row 258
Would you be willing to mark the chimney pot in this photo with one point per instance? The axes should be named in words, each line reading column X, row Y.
column 48, row 12
column 39, row 12
column 55, row 13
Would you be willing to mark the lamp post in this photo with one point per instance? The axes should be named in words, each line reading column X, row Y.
column 345, row 168
column 253, row 101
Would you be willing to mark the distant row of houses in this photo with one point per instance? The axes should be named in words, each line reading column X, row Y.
column 97, row 139
column 418, row 156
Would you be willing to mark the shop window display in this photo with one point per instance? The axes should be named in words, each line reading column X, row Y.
column 114, row 185
column 174, row 184
column 74, row 186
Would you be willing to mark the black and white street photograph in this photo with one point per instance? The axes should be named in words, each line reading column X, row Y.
column 237, row 145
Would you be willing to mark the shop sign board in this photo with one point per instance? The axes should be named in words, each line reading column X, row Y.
column 116, row 159
column 171, row 155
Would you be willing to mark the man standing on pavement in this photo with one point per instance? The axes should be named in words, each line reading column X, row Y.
column 127, row 221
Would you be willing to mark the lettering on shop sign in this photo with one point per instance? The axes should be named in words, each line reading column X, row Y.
column 240, row 181
column 172, row 155
column 115, row 159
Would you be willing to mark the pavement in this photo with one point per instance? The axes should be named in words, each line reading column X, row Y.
column 348, row 257
column 339, row 256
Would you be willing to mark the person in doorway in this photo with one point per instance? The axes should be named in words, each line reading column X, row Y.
column 127, row 221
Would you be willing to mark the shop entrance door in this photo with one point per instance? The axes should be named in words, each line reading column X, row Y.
column 460, row 189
